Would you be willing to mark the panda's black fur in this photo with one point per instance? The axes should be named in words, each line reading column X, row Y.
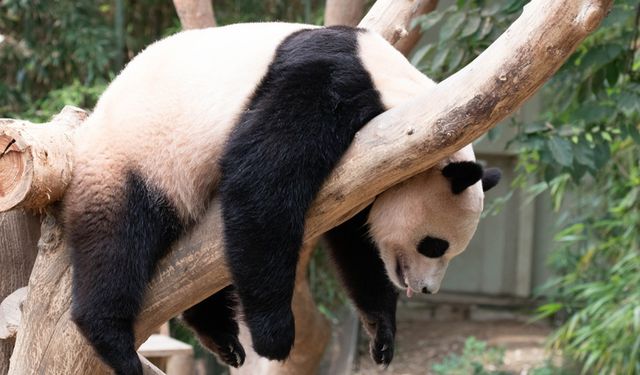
column 305, row 112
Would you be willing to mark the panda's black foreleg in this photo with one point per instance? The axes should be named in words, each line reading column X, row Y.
column 271, row 171
column 362, row 272
column 116, row 235
column 300, row 120
column 214, row 321
column 262, row 240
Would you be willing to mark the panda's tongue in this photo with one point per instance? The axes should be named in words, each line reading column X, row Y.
column 409, row 290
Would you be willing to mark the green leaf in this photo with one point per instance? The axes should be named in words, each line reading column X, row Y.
column 618, row 16
column 487, row 26
column 471, row 26
column 428, row 20
column 599, row 56
column 421, row 54
column 491, row 9
column 561, row 150
column 584, row 154
column 455, row 58
column 634, row 132
column 452, row 26
column 440, row 58
column 628, row 101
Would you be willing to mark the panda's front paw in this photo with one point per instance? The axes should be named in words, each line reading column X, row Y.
column 227, row 349
column 273, row 334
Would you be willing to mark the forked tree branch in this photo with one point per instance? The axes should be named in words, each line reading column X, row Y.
column 394, row 146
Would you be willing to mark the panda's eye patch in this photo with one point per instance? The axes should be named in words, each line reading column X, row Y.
column 432, row 247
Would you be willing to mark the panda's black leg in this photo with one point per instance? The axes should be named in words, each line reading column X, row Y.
column 362, row 272
column 301, row 119
column 262, row 244
column 116, row 235
column 214, row 321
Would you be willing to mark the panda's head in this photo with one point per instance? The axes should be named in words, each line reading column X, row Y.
column 422, row 223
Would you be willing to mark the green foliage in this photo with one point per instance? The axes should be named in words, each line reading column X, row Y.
column 305, row 11
column 48, row 45
column 585, row 150
column 464, row 30
column 75, row 94
column 477, row 358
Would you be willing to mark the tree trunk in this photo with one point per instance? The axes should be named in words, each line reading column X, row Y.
column 19, row 233
column 394, row 146
column 195, row 14
column 343, row 12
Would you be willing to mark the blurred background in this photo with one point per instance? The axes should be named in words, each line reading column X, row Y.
column 551, row 281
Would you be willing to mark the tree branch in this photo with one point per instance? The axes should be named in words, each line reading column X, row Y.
column 36, row 159
column 395, row 145
column 195, row 14
column 343, row 12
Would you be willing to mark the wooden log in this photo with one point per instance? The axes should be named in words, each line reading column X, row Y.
column 36, row 160
column 19, row 233
column 394, row 146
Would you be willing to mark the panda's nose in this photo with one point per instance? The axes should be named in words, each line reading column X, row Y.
column 425, row 290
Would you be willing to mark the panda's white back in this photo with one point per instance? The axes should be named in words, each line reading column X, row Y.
column 169, row 112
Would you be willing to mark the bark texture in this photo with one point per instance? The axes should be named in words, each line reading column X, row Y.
column 19, row 233
column 394, row 146
column 36, row 160
column 343, row 12
column 195, row 14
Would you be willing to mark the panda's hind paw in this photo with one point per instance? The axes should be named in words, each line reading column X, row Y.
column 228, row 349
column 234, row 354
column 381, row 347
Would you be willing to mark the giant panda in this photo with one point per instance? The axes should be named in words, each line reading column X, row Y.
column 257, row 113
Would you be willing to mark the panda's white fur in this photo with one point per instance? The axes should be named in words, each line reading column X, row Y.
column 185, row 128
column 404, row 214
column 190, row 107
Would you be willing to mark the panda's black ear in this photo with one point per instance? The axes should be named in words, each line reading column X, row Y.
column 490, row 178
column 462, row 174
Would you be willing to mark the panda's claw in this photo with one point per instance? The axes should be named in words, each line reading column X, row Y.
column 227, row 349
column 234, row 355
column 381, row 347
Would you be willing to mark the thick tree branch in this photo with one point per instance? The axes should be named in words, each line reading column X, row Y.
column 195, row 14
column 394, row 146
column 36, row 160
